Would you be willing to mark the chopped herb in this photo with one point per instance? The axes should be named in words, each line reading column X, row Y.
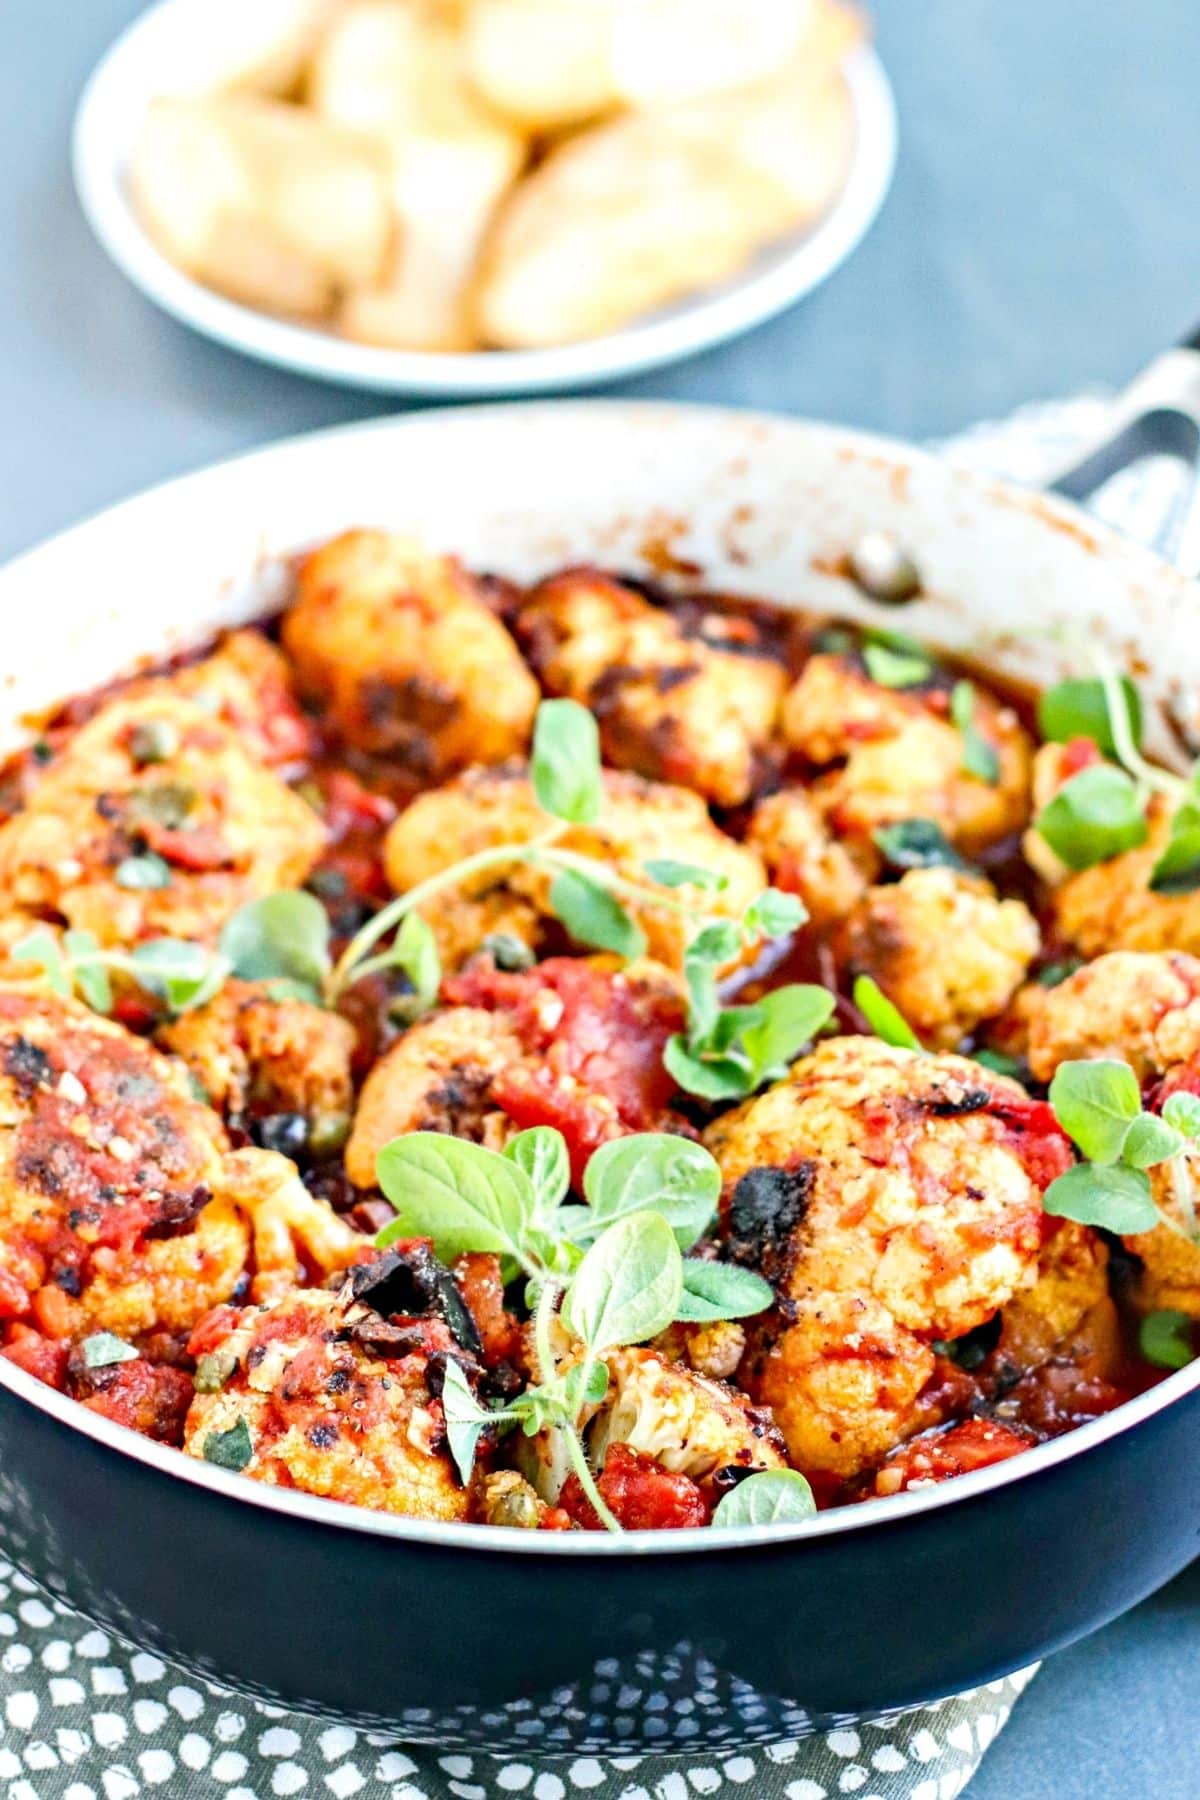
column 1079, row 708
column 918, row 844
column 102, row 1350
column 980, row 757
column 1165, row 1339
column 230, row 1449
column 143, row 872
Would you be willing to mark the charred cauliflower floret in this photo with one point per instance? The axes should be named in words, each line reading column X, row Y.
column 403, row 652
column 108, row 1167
column 295, row 1234
column 900, row 757
column 639, row 820
column 121, row 1207
column 943, row 948
column 686, row 1421
column 319, row 1392
column 893, row 1199
column 437, row 1077
column 803, row 857
column 155, row 777
column 256, row 1056
column 690, row 700
column 1142, row 1008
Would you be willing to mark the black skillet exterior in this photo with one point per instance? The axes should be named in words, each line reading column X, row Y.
column 476, row 1648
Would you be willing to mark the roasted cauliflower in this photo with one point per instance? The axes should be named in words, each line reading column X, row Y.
column 1141, row 1007
column 639, row 820
column 320, row 1392
column 258, row 1057
column 892, row 1199
column 900, row 757
column 402, row 651
column 803, row 857
column 438, row 1076
column 943, row 948
column 154, row 821
column 688, row 696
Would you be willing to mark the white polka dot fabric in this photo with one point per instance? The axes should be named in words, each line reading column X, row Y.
column 85, row 1716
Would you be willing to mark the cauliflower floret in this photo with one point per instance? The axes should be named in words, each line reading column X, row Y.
column 246, row 682
column 294, row 1233
column 1068, row 1311
column 108, row 1168
column 1142, row 1008
column 255, row 1056
column 437, row 1077
column 901, row 758
column 328, row 1397
column 1170, row 1254
column 803, row 857
column 689, row 1424
column 943, row 948
column 1113, row 907
column 893, row 1199
column 689, row 702
column 402, row 650
column 154, row 774
column 121, row 1207
column 639, row 820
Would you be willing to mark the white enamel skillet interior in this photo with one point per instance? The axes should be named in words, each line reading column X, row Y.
column 739, row 502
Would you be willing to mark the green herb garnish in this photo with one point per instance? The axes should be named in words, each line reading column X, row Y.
column 1165, row 1339
column 1099, row 1105
column 980, row 757
column 230, row 1449
column 615, row 1267
column 770, row 1497
column 102, row 1350
column 885, row 1020
column 918, row 844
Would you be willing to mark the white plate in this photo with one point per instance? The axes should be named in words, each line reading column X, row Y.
column 135, row 69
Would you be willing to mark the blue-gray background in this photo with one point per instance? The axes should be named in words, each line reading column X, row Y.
column 1042, row 236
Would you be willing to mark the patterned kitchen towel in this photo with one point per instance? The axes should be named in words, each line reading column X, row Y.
column 89, row 1717
column 85, row 1716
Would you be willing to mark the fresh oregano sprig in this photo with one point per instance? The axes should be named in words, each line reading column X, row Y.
column 1101, row 812
column 614, row 1270
column 1099, row 1105
column 728, row 1052
column 285, row 937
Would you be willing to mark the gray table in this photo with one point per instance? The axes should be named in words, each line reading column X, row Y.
column 1041, row 236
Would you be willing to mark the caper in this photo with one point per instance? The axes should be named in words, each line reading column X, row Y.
column 327, row 1133
column 214, row 1370
column 517, row 1509
column 153, row 741
column 883, row 570
column 168, row 803
column 508, row 952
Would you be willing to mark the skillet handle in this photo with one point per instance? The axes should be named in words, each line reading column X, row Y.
column 1157, row 415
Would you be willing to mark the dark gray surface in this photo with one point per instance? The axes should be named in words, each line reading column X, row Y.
column 1040, row 237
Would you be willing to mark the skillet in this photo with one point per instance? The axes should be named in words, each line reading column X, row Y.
column 462, row 1635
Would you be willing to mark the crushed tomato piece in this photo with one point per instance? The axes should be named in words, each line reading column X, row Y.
column 642, row 1495
column 594, row 1044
